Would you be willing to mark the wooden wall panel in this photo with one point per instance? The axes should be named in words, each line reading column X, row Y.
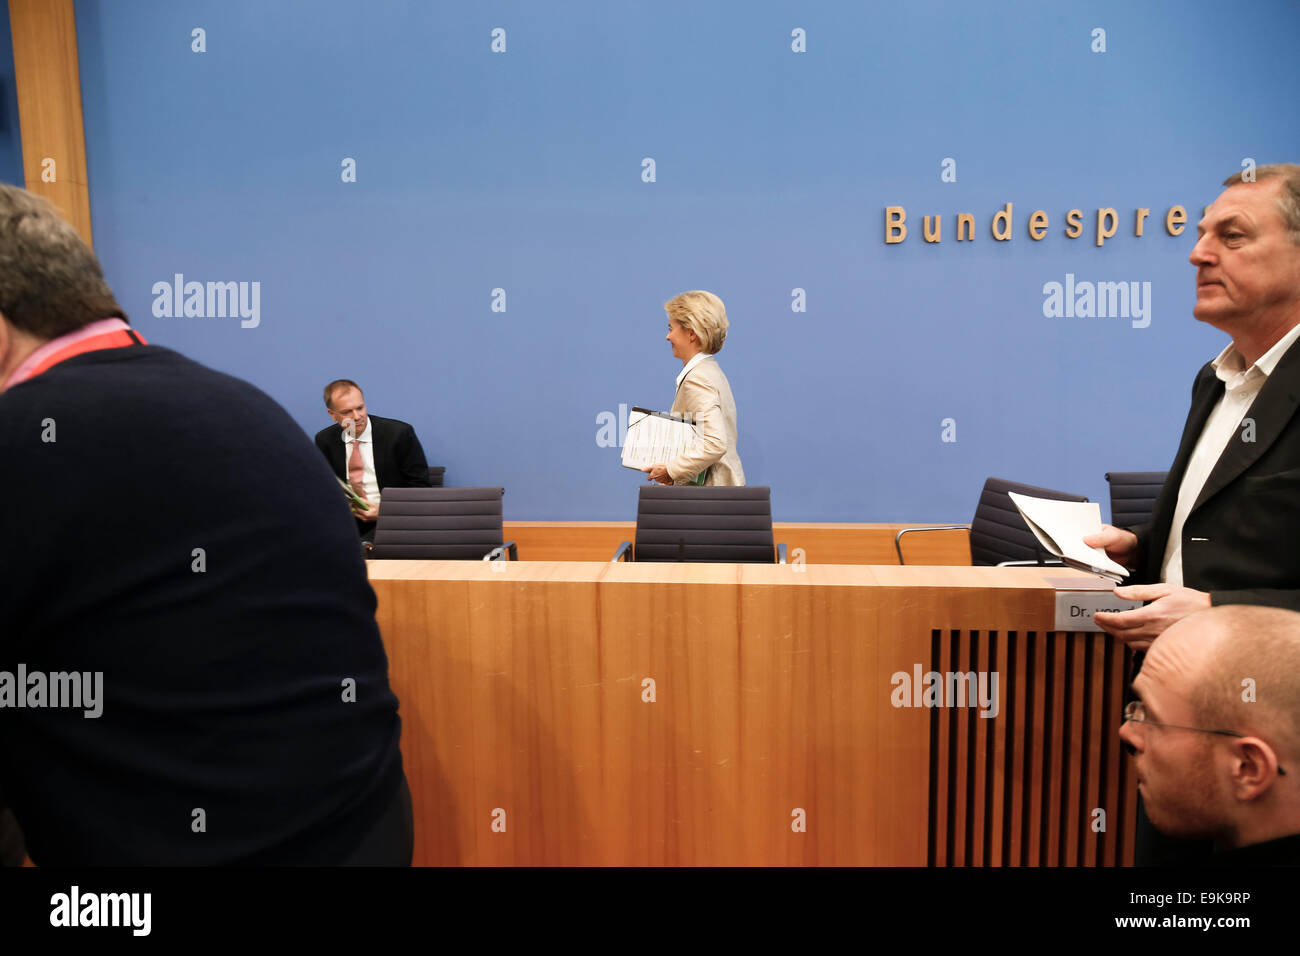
column 48, row 80
column 568, row 540
column 820, row 543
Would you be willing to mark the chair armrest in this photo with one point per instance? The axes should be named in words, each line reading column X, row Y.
column 898, row 538
column 622, row 553
column 366, row 548
column 780, row 553
column 499, row 553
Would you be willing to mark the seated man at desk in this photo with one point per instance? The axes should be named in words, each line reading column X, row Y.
column 369, row 452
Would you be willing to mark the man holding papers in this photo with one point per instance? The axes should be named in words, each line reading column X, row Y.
column 697, row 327
column 1226, row 527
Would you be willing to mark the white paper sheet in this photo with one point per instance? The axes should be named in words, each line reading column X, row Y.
column 1061, row 527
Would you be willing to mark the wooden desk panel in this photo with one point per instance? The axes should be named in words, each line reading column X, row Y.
column 820, row 543
column 522, row 693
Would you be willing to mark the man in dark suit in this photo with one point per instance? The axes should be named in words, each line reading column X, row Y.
column 369, row 452
column 1226, row 527
column 222, row 691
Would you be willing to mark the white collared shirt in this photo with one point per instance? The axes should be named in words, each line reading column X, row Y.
column 370, row 481
column 695, row 360
column 1241, row 387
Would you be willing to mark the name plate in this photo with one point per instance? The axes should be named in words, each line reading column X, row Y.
column 1074, row 609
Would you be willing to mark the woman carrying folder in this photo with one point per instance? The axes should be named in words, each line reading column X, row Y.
column 697, row 327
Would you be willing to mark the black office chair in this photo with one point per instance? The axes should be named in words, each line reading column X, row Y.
column 703, row 523
column 441, row 524
column 1133, row 496
column 998, row 535
column 436, row 474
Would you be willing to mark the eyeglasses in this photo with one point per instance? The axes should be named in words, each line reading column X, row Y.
column 1136, row 711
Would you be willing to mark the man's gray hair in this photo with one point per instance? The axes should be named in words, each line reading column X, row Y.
column 50, row 282
column 1289, row 201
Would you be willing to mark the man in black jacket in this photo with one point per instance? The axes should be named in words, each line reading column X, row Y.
column 369, row 452
column 1226, row 526
column 207, row 686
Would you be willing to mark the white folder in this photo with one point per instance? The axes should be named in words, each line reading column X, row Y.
column 655, row 438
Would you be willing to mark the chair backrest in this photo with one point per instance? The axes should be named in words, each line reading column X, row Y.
column 704, row 523
column 998, row 533
column 436, row 474
column 441, row 524
column 1133, row 496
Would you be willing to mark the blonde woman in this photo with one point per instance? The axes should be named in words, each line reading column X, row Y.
column 697, row 327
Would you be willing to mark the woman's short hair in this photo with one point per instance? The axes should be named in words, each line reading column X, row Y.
column 702, row 313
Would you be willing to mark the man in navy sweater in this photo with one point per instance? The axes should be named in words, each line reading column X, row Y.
column 207, row 686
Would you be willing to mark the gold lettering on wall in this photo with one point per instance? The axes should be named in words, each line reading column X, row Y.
column 1107, row 223
column 1038, row 225
column 1002, row 233
column 1176, row 216
column 1002, row 224
column 895, row 224
column 1074, row 223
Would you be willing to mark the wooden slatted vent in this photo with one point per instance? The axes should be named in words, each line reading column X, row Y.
column 1023, row 786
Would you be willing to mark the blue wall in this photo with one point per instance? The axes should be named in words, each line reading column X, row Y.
column 522, row 170
column 11, row 144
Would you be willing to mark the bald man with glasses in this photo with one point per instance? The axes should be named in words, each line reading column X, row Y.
column 1213, row 729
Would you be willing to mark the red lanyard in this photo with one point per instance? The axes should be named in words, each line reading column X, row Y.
column 118, row 338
